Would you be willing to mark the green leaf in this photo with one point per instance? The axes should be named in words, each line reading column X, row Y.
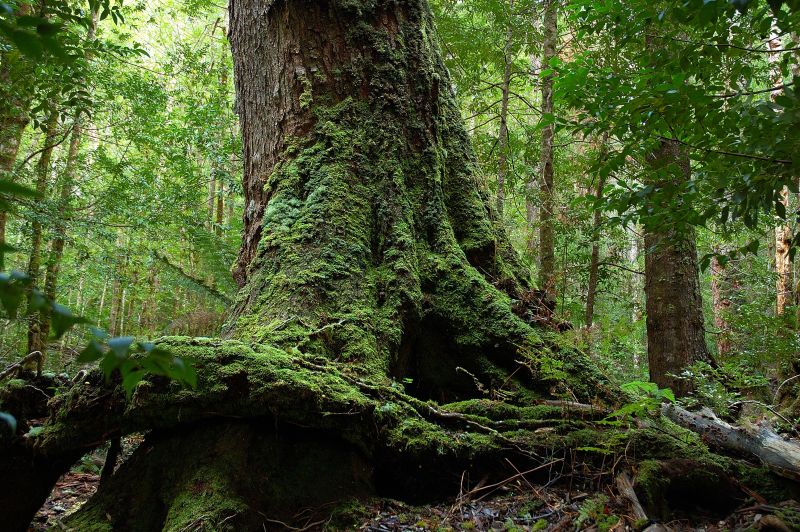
column 11, row 298
column 63, row 319
column 120, row 346
column 15, row 189
column 92, row 352
column 27, row 42
column 131, row 379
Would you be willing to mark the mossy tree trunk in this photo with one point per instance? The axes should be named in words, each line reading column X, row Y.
column 368, row 237
column 374, row 277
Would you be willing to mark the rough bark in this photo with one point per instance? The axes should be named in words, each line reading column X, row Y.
column 675, row 332
column 547, row 214
column 364, row 218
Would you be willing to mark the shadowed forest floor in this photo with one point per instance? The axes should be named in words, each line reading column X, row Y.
column 514, row 505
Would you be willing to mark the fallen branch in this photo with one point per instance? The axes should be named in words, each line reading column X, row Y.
column 780, row 455
column 30, row 357
column 625, row 488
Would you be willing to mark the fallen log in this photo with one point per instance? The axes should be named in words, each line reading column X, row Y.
column 778, row 454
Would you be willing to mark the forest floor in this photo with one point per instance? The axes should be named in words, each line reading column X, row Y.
column 513, row 506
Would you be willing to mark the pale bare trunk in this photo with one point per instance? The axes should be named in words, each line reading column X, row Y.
column 783, row 232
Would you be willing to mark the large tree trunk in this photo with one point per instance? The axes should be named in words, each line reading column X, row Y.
column 367, row 234
column 675, row 332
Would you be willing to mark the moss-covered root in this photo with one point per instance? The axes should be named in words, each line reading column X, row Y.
column 227, row 476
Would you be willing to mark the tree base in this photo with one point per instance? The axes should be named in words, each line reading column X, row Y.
column 228, row 476
column 268, row 433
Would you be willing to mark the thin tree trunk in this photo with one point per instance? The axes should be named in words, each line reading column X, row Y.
column 15, row 95
column 635, row 286
column 502, row 141
column 36, row 342
column 546, row 236
column 102, row 303
column 675, row 333
column 229, row 208
column 531, row 202
column 783, row 232
column 116, row 290
column 57, row 245
column 783, row 265
column 594, row 264
column 67, row 183
column 720, row 305
column 212, row 192
column 220, row 210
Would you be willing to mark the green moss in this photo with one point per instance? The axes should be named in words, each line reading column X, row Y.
column 349, row 514
column 205, row 502
column 790, row 516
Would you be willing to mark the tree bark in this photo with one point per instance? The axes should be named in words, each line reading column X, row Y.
column 502, row 141
column 594, row 263
column 783, row 264
column 720, row 305
column 546, row 217
column 37, row 342
column 212, row 192
column 16, row 94
column 783, row 231
column 780, row 455
column 58, row 242
column 675, row 332
column 360, row 177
